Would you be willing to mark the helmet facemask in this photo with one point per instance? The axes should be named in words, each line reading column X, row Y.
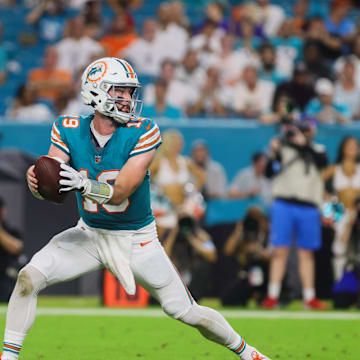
column 111, row 104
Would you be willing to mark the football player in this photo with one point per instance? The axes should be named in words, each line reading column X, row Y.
column 105, row 159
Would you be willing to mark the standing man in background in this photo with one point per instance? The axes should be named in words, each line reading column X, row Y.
column 295, row 163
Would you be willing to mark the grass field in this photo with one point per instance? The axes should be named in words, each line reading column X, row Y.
column 80, row 330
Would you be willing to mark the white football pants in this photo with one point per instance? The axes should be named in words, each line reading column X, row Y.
column 75, row 252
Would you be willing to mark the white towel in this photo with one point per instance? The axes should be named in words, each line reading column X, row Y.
column 115, row 254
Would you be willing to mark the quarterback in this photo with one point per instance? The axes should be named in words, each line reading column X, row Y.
column 105, row 159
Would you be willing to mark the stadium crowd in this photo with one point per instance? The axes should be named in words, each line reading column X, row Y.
column 242, row 59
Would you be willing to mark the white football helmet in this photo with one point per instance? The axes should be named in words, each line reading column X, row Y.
column 102, row 75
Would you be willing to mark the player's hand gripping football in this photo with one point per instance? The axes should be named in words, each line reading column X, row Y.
column 72, row 179
column 33, row 182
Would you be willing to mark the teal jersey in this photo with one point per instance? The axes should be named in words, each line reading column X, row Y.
column 72, row 135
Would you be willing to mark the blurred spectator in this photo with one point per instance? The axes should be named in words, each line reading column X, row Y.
column 50, row 82
column 173, row 38
column 94, row 21
column 179, row 94
column 161, row 108
column 295, row 163
column 345, row 175
column 268, row 15
column 212, row 99
column 216, row 181
column 178, row 15
column 25, row 108
column 10, row 249
column 338, row 23
column 252, row 97
column 172, row 171
column 72, row 102
column 324, row 107
column 190, row 71
column 251, row 181
column 283, row 112
column 354, row 57
column 248, row 44
column 315, row 62
column 145, row 52
column 76, row 50
column 49, row 17
column 299, row 89
column 300, row 11
column 248, row 243
column 288, row 46
column 120, row 35
column 214, row 11
column 269, row 70
column 208, row 41
column 330, row 46
column 238, row 19
column 230, row 63
column 347, row 91
column 3, row 58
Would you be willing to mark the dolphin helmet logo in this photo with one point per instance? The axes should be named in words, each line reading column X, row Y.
column 96, row 72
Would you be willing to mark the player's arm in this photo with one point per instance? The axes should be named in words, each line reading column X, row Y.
column 131, row 176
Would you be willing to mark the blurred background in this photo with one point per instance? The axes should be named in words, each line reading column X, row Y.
column 225, row 80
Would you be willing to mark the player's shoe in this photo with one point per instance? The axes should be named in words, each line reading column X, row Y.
column 269, row 303
column 315, row 304
column 251, row 353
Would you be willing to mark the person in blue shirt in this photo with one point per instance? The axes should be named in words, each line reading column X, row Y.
column 105, row 159
column 324, row 108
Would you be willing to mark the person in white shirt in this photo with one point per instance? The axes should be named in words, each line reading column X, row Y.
column 270, row 16
column 354, row 58
column 172, row 37
column 347, row 91
column 145, row 52
column 76, row 50
column 179, row 94
column 252, row 97
column 231, row 62
column 208, row 41
column 190, row 71
column 25, row 109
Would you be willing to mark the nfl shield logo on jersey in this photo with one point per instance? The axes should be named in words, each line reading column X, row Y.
column 97, row 159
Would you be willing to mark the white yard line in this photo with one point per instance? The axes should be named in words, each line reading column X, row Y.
column 299, row 315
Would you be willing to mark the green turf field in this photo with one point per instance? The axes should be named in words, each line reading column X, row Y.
column 96, row 334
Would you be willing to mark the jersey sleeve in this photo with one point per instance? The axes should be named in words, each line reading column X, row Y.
column 149, row 138
column 58, row 136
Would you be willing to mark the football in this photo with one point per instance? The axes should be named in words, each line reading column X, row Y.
column 47, row 170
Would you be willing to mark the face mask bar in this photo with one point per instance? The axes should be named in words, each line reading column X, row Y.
column 135, row 105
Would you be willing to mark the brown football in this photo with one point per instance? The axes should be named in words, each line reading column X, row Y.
column 47, row 172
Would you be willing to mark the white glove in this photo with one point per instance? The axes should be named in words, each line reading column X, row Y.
column 73, row 180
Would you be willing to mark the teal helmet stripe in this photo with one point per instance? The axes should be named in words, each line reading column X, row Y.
column 126, row 70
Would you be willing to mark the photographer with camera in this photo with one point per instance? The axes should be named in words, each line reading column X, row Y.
column 297, row 188
column 248, row 244
column 10, row 248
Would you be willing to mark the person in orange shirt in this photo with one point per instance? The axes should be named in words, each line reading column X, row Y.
column 120, row 36
column 49, row 82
